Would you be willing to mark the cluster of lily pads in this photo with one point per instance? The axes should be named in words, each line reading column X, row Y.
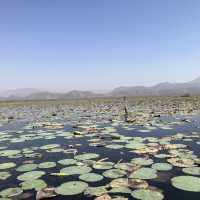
column 83, row 166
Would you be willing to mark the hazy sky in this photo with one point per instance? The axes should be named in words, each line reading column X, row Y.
column 98, row 44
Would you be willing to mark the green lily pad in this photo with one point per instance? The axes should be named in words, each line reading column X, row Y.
column 103, row 165
column 7, row 165
column 30, row 175
column 187, row 183
column 135, row 145
column 114, row 146
column 147, row 194
column 121, row 189
column 125, row 166
column 114, row 173
column 95, row 191
column 47, row 165
column 33, row 184
column 144, row 173
column 162, row 155
column 91, row 177
column 7, row 153
column 162, row 166
column 50, row 146
column 71, row 188
column 142, row 161
column 192, row 170
column 67, row 162
column 4, row 175
column 72, row 170
column 11, row 192
column 119, row 182
column 27, row 167
column 86, row 156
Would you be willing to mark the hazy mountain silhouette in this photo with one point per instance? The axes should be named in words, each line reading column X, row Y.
column 161, row 89
column 24, row 92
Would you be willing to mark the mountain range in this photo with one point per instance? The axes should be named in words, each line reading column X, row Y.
column 161, row 89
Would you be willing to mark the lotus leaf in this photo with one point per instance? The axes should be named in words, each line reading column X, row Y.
column 114, row 146
column 192, row 170
column 120, row 190
column 27, row 167
column 91, row 177
column 103, row 165
column 142, row 161
column 147, row 194
column 114, row 173
column 86, row 156
column 125, row 166
column 181, row 162
column 67, row 162
column 71, row 188
column 162, row 166
column 11, row 192
column 144, row 173
column 46, row 165
column 95, row 191
column 187, row 183
column 7, row 165
column 4, row 175
column 72, row 170
column 33, row 184
column 30, row 175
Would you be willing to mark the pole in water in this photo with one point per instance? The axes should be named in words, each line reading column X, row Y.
column 125, row 110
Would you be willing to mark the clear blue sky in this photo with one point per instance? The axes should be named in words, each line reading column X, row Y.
column 98, row 44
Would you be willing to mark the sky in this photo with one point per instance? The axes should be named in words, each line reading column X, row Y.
column 60, row 45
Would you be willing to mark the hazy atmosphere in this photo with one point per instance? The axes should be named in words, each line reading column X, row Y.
column 98, row 45
column 100, row 99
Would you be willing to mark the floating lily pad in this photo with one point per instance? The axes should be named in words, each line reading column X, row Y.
column 7, row 165
column 162, row 156
column 47, row 165
column 142, row 161
column 27, row 167
column 67, row 162
column 125, row 166
column 4, row 175
column 162, row 166
column 86, row 156
column 181, row 162
column 119, row 182
column 135, row 145
column 72, row 170
column 11, row 192
column 187, row 183
column 7, row 153
column 95, row 191
column 146, row 194
column 103, row 165
column 144, row 173
column 192, row 170
column 30, row 175
column 137, row 184
column 114, row 146
column 71, row 188
column 49, row 146
column 114, row 173
column 33, row 184
column 121, row 189
column 91, row 177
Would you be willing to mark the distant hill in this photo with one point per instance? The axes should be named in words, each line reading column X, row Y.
column 161, row 89
column 24, row 92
